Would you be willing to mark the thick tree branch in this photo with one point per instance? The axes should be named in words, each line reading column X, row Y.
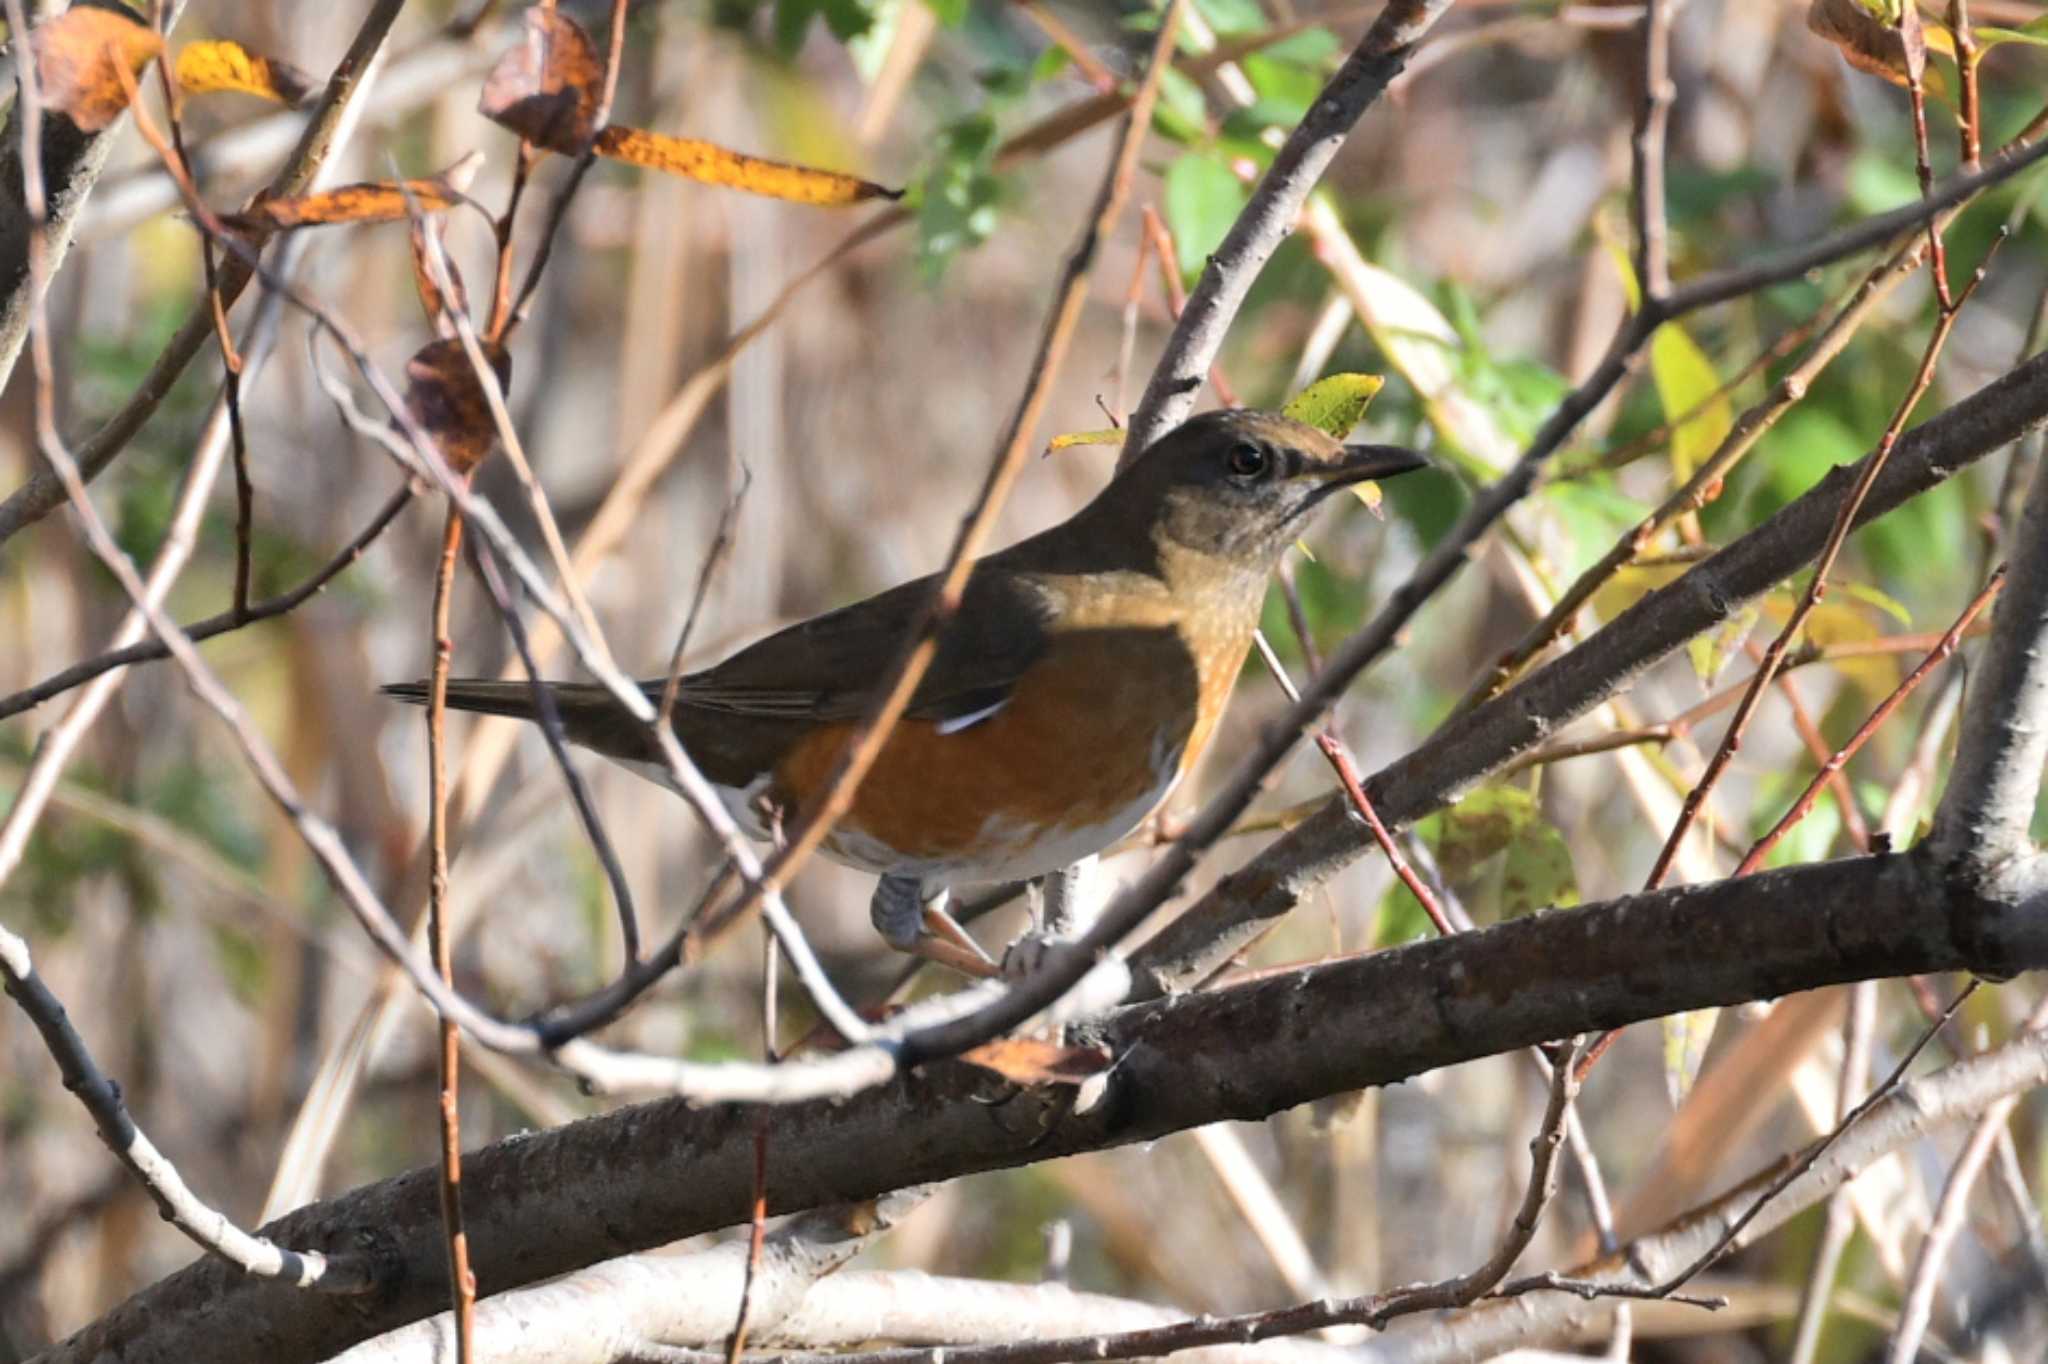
column 1982, row 823
column 1473, row 745
column 553, row 1202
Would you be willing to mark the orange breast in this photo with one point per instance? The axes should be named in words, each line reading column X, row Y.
column 1093, row 738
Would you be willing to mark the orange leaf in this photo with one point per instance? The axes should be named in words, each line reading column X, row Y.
column 79, row 56
column 714, row 165
column 547, row 89
column 1023, row 1061
column 444, row 396
column 374, row 201
column 206, row 67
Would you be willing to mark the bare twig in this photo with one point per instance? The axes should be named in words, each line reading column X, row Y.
column 1834, row 764
column 1653, row 255
column 1269, row 217
column 461, row 1282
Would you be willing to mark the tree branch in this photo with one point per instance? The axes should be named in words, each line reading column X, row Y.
column 552, row 1202
column 1981, row 825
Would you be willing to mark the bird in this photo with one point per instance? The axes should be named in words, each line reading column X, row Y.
column 1079, row 680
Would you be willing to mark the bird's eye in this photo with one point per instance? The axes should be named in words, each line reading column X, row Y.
column 1246, row 460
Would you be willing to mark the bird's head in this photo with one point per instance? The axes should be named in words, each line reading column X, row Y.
column 1238, row 485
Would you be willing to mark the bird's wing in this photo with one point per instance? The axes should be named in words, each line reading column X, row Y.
column 827, row 669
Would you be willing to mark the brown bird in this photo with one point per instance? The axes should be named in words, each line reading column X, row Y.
column 1079, row 681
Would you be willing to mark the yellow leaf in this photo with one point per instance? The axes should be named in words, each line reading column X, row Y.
column 1629, row 585
column 1107, row 436
column 1334, row 404
column 1369, row 493
column 206, row 67
column 1685, row 1045
column 715, row 165
column 374, row 201
column 1699, row 413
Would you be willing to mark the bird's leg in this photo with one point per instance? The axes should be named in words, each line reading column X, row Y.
column 909, row 924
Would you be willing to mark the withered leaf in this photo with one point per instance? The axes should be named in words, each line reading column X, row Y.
column 439, row 308
column 1023, row 1061
column 547, row 89
column 444, row 396
column 1866, row 42
column 209, row 66
column 80, row 56
column 716, row 165
column 373, row 201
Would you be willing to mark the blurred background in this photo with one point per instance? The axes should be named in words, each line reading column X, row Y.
column 1470, row 243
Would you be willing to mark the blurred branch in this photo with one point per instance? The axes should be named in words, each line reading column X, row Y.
column 1269, row 218
column 331, row 121
column 548, row 1203
column 225, row 622
column 1941, row 1235
column 1920, row 1107
column 1647, row 147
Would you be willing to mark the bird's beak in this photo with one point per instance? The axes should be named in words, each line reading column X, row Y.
column 1366, row 462
column 1363, row 464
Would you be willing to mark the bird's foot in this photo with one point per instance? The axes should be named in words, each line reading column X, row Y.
column 908, row 923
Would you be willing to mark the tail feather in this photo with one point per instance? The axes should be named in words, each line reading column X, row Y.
column 589, row 715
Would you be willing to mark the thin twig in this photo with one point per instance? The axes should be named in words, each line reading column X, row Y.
column 1653, row 255
column 1839, row 759
column 461, row 1282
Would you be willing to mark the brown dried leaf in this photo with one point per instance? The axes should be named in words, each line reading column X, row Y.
column 209, row 66
column 1866, row 42
column 440, row 308
column 1023, row 1061
column 79, row 58
column 547, row 89
column 373, row 201
column 444, row 396
column 715, row 165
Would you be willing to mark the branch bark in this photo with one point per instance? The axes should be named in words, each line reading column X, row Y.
column 1982, row 823
column 550, row 1203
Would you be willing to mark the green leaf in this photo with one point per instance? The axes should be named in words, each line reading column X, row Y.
column 1203, row 198
column 951, row 13
column 1710, row 652
column 1336, row 403
column 1182, row 112
column 1499, row 853
column 1687, row 385
column 1230, row 17
column 2034, row 31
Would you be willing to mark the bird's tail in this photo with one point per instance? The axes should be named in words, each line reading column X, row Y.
column 589, row 714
